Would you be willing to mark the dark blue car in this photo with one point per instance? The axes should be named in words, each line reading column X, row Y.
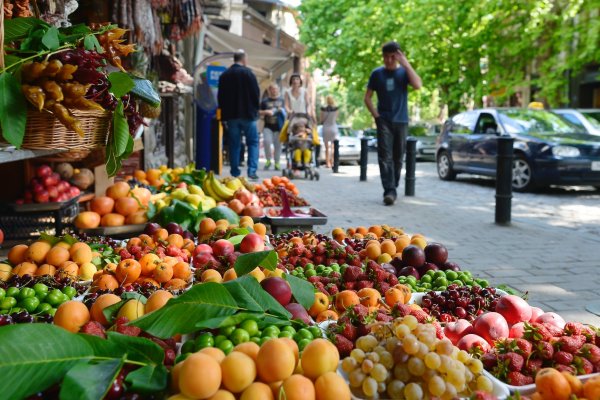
column 548, row 150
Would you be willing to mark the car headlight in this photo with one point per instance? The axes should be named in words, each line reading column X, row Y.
column 565, row 151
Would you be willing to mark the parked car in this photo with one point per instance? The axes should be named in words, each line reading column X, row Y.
column 372, row 135
column 426, row 134
column 588, row 119
column 548, row 150
column 349, row 144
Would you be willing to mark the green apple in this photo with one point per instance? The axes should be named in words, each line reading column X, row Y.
column 195, row 189
column 194, row 199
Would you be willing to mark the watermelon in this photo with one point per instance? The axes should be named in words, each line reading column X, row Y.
column 222, row 212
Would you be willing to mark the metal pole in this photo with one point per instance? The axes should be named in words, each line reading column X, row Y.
column 411, row 166
column 336, row 155
column 364, row 158
column 317, row 154
column 504, row 163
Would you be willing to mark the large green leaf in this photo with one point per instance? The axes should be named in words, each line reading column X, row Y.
column 120, row 130
column 138, row 348
column 33, row 357
column 103, row 347
column 247, row 262
column 229, row 320
column 144, row 90
column 120, row 83
column 18, row 28
column 303, row 291
column 181, row 314
column 148, row 379
column 13, row 110
column 90, row 380
column 252, row 297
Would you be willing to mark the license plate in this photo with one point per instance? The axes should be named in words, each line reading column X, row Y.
column 595, row 165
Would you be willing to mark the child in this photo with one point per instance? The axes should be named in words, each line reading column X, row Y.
column 300, row 141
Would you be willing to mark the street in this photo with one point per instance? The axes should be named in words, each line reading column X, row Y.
column 549, row 250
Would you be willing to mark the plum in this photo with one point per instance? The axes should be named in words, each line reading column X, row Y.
column 406, row 271
column 436, row 253
column 298, row 312
column 413, row 256
column 278, row 288
column 467, row 342
column 174, row 227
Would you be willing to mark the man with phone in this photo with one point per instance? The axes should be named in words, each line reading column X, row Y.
column 390, row 82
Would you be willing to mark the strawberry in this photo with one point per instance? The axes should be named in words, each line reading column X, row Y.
column 358, row 313
column 439, row 332
column 583, row 365
column 516, row 378
column 489, row 359
column 332, row 289
column 562, row 357
column 349, row 331
column 392, row 279
column 553, row 329
column 573, row 328
column 380, row 275
column 420, row 315
column 169, row 359
column 590, row 352
column 363, row 330
column 524, row 347
column 128, row 330
column 121, row 321
column 566, row 368
column 94, row 328
column 544, row 350
column 383, row 317
column 350, row 285
column 571, row 344
column 383, row 287
column 481, row 395
column 535, row 332
column 532, row 366
column 314, row 279
column 362, row 277
column 364, row 284
column 351, row 273
column 335, row 275
column 513, row 361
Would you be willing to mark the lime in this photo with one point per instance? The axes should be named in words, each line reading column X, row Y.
column 451, row 275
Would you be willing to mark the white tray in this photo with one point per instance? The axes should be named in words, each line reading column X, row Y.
column 527, row 389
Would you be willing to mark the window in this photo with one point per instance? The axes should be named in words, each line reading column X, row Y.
column 528, row 121
column 486, row 125
column 464, row 122
column 593, row 118
column 572, row 119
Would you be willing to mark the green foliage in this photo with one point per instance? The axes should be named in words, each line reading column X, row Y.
column 462, row 50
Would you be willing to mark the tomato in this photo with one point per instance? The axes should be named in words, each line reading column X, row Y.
column 239, row 336
column 250, row 326
column 30, row 304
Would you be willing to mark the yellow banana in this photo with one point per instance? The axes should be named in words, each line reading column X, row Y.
column 234, row 184
column 206, row 186
column 248, row 185
column 220, row 190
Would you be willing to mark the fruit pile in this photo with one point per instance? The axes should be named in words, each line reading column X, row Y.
column 440, row 280
column 47, row 186
column 404, row 359
column 460, row 302
column 274, row 370
column 272, row 198
column 274, row 182
column 551, row 383
column 120, row 206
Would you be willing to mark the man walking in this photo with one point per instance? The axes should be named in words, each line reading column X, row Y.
column 238, row 98
column 390, row 82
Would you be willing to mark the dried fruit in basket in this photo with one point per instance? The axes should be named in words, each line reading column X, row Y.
column 35, row 95
column 64, row 116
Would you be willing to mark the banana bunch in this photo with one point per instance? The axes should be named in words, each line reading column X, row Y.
column 232, row 183
column 248, row 185
column 193, row 195
column 215, row 189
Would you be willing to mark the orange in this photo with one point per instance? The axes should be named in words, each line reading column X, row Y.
column 126, row 206
column 102, row 205
column 161, row 234
column 128, row 271
column 118, row 190
column 146, row 240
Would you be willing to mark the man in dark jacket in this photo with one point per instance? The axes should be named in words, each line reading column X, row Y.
column 238, row 98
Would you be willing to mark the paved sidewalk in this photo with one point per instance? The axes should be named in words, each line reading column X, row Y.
column 550, row 250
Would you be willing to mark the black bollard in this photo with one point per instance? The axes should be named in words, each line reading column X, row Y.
column 364, row 158
column 504, row 163
column 411, row 166
column 336, row 155
column 317, row 154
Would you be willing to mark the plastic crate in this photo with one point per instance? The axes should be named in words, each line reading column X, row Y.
column 19, row 224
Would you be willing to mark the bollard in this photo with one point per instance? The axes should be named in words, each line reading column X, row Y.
column 317, row 154
column 364, row 158
column 336, row 155
column 504, row 163
column 411, row 164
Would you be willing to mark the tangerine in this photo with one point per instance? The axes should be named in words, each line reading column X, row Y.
column 102, row 205
column 118, row 190
column 126, row 206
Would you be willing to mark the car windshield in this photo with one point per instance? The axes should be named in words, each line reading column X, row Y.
column 593, row 117
column 347, row 132
column 527, row 121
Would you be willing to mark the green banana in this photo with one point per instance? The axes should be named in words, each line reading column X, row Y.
column 207, row 187
column 220, row 190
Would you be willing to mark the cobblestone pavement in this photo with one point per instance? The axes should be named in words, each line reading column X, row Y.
column 551, row 249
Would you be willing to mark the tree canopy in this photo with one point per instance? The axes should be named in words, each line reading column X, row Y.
column 462, row 50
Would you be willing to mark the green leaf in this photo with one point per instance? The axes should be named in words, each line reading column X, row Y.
column 230, row 320
column 181, row 314
column 18, row 28
column 69, row 239
column 144, row 90
column 49, row 238
column 11, row 61
column 120, row 130
column 33, row 357
column 135, row 296
column 50, row 39
column 247, row 262
column 303, row 291
column 148, row 379
column 13, row 110
column 110, row 312
column 120, row 84
column 235, row 240
column 151, row 211
column 138, row 349
column 90, row 42
column 252, row 297
column 90, row 380
column 103, row 347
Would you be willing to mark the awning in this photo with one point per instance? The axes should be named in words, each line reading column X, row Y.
column 267, row 62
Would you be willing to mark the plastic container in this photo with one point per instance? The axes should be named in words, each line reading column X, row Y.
column 527, row 389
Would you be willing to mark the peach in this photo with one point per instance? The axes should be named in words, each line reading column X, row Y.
column 251, row 243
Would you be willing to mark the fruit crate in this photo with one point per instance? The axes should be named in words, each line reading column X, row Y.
column 26, row 221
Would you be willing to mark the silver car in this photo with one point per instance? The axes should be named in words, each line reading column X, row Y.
column 587, row 119
column 349, row 144
column 426, row 134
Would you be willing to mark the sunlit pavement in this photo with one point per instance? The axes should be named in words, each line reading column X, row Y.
column 550, row 249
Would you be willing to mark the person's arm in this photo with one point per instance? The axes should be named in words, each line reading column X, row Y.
column 264, row 111
column 369, row 103
column 287, row 103
column 414, row 79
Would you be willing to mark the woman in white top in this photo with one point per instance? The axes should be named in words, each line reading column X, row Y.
column 330, row 129
column 296, row 98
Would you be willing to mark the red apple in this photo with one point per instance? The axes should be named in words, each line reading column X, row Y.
column 278, row 288
column 202, row 248
column 517, row 330
column 55, row 178
column 436, row 253
column 243, row 195
column 42, row 197
column 222, row 247
column 52, row 192
column 413, row 256
column 535, row 313
column 43, row 171
column 62, row 186
column 1, row 236
column 552, row 319
column 201, row 260
column 252, row 243
column 62, row 197
column 37, row 188
column 491, row 326
column 74, row 191
column 48, row 181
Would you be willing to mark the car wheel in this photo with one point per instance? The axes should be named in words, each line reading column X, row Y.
column 522, row 175
column 444, row 167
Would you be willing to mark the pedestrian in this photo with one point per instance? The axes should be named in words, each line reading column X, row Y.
column 330, row 130
column 390, row 82
column 238, row 98
column 272, row 108
column 296, row 98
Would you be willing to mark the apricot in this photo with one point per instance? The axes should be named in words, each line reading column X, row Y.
column 260, row 228
column 362, row 230
column 229, row 275
column 419, row 241
column 376, row 230
column 373, row 251
column 132, row 310
column 384, row 258
column 214, row 352
column 112, row 219
column 102, row 205
column 319, row 356
column 248, row 348
column 293, row 346
column 238, row 371
column 207, row 226
column 128, row 271
column 275, row 361
column 100, row 304
column 551, row 384
column 71, row 316
column 345, row 299
column 257, row 391
column 148, row 263
column 87, row 220
column 575, row 383
column 25, row 268
column 82, row 255
column 401, row 242
column 86, row 271
column 406, row 290
column 388, row 247
column 298, row 387
column 142, row 194
column 591, row 388
column 222, row 395
column 394, row 296
column 174, row 385
column 182, row 271
column 157, row 300
column 200, row 376
column 126, row 206
column 5, row 272
column 331, row 386
column 327, row 315
column 163, row 273
column 37, row 252
column 257, row 273
column 68, row 269
column 211, row 275
column 175, row 284
column 106, row 282
column 57, row 255
column 46, row 269
column 118, row 190
column 64, row 245
column 78, row 245
column 137, row 218
column 17, row 254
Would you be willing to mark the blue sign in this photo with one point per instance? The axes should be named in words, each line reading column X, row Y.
column 213, row 72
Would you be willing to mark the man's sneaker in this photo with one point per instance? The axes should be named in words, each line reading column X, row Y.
column 268, row 164
column 253, row 177
column 388, row 200
column 277, row 167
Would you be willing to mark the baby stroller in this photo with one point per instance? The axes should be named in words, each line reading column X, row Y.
column 299, row 138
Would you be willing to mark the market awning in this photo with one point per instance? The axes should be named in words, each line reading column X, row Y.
column 267, row 62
